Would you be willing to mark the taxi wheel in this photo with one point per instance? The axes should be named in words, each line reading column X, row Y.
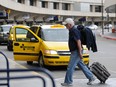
column 9, row 48
column 41, row 61
column 29, row 62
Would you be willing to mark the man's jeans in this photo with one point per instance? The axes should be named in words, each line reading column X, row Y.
column 75, row 60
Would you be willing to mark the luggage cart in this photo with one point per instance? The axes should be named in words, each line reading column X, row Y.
column 8, row 77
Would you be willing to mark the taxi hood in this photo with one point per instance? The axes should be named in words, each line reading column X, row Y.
column 57, row 45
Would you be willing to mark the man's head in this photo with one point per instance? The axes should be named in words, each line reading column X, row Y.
column 69, row 23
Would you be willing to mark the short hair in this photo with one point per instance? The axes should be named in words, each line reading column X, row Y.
column 69, row 21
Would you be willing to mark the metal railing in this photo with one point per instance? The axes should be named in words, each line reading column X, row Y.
column 8, row 77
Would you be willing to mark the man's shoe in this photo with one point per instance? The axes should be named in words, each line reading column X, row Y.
column 66, row 84
column 91, row 81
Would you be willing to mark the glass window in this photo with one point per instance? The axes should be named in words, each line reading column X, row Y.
column 44, row 4
column 21, row 1
column 31, row 2
column 60, row 35
column 66, row 6
column 97, row 8
column 24, row 35
column 21, row 31
column 55, row 5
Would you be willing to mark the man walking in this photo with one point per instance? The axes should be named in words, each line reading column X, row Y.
column 76, row 54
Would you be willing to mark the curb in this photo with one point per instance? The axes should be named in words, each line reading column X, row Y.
column 107, row 37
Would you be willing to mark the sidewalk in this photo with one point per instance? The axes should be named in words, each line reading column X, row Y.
column 108, row 35
column 82, row 83
column 26, row 79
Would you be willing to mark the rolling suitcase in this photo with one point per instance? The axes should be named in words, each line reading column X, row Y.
column 100, row 71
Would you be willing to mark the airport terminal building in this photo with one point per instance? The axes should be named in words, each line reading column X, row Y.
column 37, row 11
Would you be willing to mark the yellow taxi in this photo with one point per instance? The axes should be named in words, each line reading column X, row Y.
column 46, row 44
column 10, row 37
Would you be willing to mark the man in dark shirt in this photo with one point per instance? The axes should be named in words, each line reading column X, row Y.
column 76, row 54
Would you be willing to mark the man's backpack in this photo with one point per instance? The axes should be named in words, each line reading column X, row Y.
column 87, row 38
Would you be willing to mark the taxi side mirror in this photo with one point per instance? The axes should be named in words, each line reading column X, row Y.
column 33, row 40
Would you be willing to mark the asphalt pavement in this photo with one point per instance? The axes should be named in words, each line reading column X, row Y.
column 38, row 83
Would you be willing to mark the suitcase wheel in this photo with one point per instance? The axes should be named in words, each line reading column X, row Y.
column 102, row 82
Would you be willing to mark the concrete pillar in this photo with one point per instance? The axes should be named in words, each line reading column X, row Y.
column 60, row 6
column 50, row 5
column 112, row 22
column 38, row 4
column 93, row 8
column 71, row 7
column 27, row 2
column 14, row 0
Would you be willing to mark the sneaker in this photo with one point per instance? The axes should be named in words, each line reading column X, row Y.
column 91, row 81
column 66, row 84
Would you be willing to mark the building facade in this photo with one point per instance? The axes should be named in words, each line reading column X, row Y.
column 37, row 11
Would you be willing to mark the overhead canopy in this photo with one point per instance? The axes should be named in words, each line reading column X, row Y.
column 110, row 6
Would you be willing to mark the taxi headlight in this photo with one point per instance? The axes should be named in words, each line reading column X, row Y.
column 50, row 52
column 85, row 51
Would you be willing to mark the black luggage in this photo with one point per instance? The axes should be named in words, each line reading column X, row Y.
column 100, row 71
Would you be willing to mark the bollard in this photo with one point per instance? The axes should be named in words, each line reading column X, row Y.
column 113, row 30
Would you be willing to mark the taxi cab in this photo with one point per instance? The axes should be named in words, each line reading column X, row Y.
column 10, row 37
column 46, row 44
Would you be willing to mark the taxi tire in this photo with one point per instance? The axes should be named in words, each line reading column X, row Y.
column 9, row 47
column 29, row 62
column 40, row 60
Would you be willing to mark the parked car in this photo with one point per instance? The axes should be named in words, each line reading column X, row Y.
column 108, row 26
column 93, row 27
column 4, row 30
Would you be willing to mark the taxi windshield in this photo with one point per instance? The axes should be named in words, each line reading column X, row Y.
column 55, row 35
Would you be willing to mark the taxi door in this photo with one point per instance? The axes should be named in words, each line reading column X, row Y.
column 26, row 45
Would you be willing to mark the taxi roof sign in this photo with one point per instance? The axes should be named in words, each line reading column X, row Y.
column 57, row 26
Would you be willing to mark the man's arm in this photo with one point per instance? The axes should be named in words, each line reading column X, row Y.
column 79, row 48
